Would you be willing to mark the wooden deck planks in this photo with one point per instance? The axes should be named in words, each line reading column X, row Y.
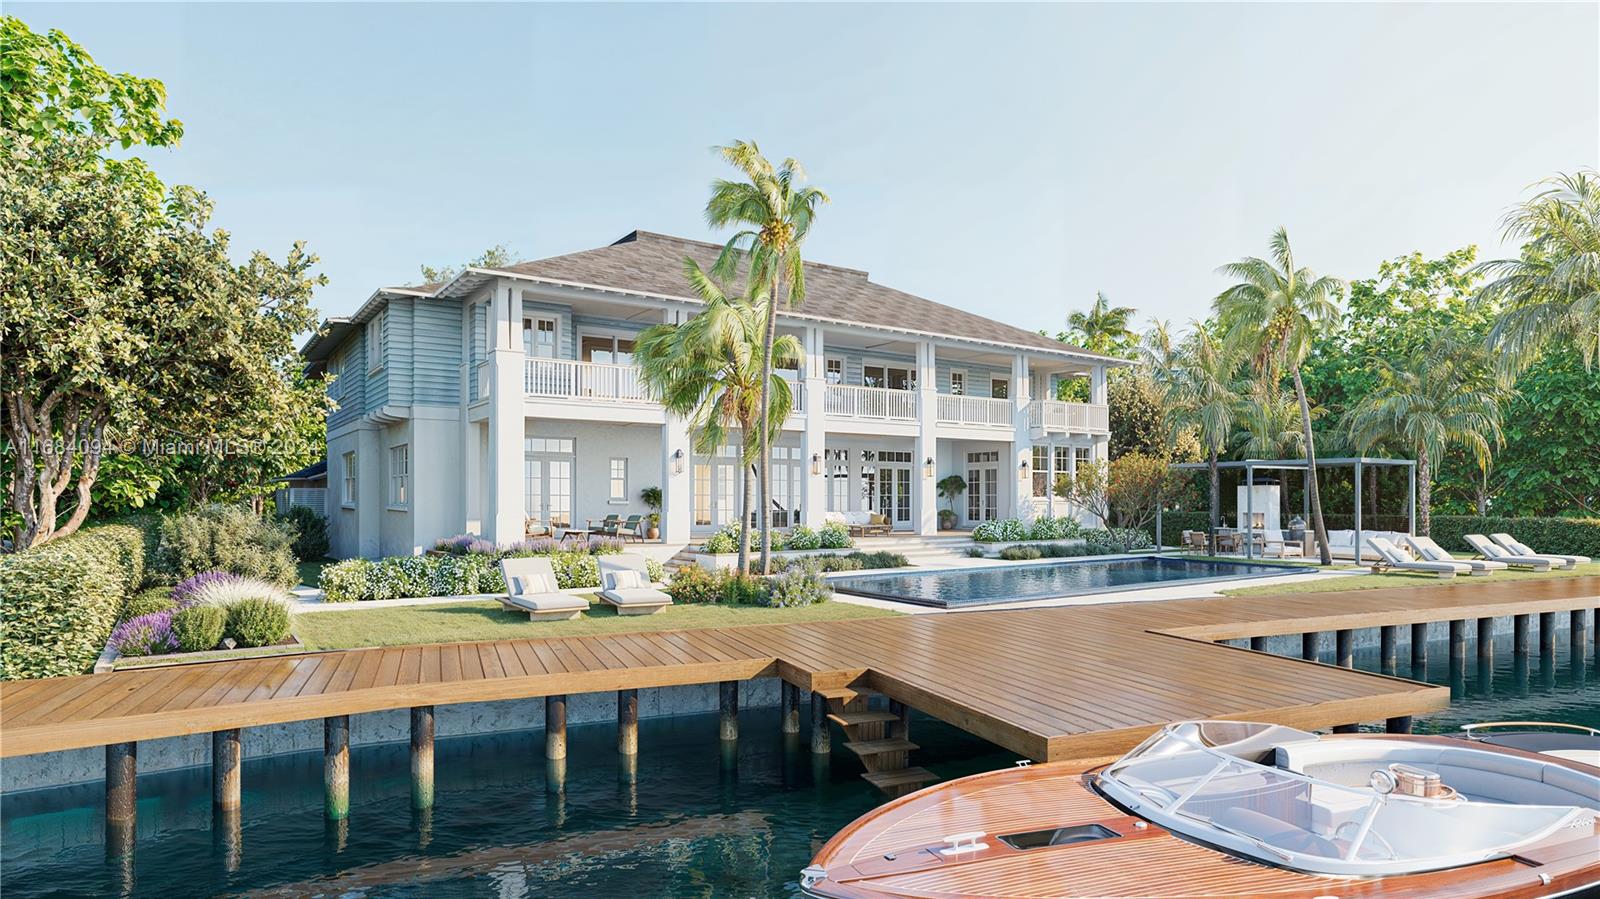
column 1047, row 683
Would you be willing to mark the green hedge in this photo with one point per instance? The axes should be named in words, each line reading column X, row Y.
column 1578, row 536
column 63, row 598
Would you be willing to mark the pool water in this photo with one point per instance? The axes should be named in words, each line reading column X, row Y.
column 962, row 587
column 692, row 823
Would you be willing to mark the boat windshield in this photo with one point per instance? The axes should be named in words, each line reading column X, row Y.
column 1217, row 781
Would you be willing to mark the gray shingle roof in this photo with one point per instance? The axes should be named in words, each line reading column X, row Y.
column 646, row 262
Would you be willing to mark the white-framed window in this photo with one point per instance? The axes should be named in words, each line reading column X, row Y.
column 619, row 480
column 539, row 335
column 609, row 349
column 375, row 343
column 348, row 496
column 833, row 371
column 399, row 476
column 894, row 377
column 1000, row 388
column 958, row 383
column 1041, row 471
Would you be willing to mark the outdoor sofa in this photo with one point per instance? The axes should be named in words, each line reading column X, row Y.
column 861, row 523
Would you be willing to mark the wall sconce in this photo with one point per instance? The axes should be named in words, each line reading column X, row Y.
column 677, row 461
column 816, row 463
column 927, row 467
column 1024, row 466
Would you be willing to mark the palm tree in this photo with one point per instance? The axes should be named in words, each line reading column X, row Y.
column 1103, row 329
column 1272, row 315
column 1552, row 293
column 1204, row 396
column 775, row 213
column 1440, row 395
column 709, row 371
column 1270, row 418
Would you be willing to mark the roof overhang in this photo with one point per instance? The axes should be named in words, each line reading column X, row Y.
column 333, row 330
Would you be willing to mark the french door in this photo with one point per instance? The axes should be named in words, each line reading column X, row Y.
column 886, row 484
column 547, row 481
column 983, row 486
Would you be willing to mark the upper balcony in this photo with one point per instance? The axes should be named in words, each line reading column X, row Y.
column 589, row 381
column 1055, row 417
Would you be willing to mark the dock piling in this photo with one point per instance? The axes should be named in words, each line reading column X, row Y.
column 1400, row 725
column 1389, row 648
column 1308, row 645
column 1579, row 622
column 336, row 766
column 1346, row 728
column 122, row 777
column 1258, row 644
column 555, row 727
column 422, row 757
column 1419, row 645
column 1485, row 640
column 1519, row 635
column 1458, row 641
column 821, row 739
column 1344, row 642
column 226, row 755
column 1547, row 634
column 790, row 707
column 628, row 723
column 728, row 710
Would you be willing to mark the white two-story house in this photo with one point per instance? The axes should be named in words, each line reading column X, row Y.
column 508, row 396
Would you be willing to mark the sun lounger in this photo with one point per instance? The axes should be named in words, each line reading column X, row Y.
column 1393, row 557
column 625, row 583
column 531, row 587
column 1424, row 548
column 1522, row 549
column 1498, row 553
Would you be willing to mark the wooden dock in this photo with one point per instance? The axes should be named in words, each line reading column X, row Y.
column 1046, row 683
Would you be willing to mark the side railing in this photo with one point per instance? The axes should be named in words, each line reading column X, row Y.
column 566, row 378
column 850, row 401
column 975, row 410
column 1054, row 416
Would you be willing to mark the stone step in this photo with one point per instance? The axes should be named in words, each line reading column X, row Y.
column 903, row 777
column 879, row 747
column 867, row 716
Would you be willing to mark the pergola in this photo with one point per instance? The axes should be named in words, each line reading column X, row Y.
column 1250, row 466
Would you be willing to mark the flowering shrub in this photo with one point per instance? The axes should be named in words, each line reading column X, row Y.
column 798, row 585
column 1047, row 527
column 185, row 592
column 455, row 575
column 455, row 546
column 1117, row 540
column 345, row 581
column 534, row 546
column 1002, row 530
column 228, row 592
column 834, row 535
column 855, row 561
column 693, row 584
column 399, row 576
column 463, row 576
column 147, row 635
column 802, row 537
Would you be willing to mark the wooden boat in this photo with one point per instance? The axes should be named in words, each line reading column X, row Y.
column 1218, row 808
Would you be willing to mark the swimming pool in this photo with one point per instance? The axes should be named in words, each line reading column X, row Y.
column 962, row 587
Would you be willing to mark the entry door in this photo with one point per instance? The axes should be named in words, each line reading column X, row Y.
column 887, row 484
column 983, row 486
column 548, row 479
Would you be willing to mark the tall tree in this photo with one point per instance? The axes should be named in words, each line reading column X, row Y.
column 1437, row 396
column 1272, row 315
column 1205, row 398
column 774, row 213
column 1102, row 328
column 709, row 371
column 1550, row 295
column 497, row 256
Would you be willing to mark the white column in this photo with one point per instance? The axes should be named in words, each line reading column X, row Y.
column 677, row 470
column 814, row 439
column 371, row 484
column 507, row 425
column 1021, row 441
column 1097, row 385
column 925, row 504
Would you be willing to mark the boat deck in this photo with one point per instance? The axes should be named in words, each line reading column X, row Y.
column 1046, row 683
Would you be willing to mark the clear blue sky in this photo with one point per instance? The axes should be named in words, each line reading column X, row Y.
column 1006, row 159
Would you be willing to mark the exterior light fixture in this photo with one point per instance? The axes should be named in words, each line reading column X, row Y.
column 927, row 467
column 1024, row 464
column 677, row 461
column 816, row 463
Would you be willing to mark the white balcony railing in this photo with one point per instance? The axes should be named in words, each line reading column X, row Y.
column 585, row 380
column 1053, row 416
column 975, row 410
column 850, row 401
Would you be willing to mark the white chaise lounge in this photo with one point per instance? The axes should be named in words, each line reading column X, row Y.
column 1394, row 557
column 625, row 583
column 531, row 587
column 1512, row 544
column 1425, row 549
column 1495, row 552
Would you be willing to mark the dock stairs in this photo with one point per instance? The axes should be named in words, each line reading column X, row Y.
column 876, row 731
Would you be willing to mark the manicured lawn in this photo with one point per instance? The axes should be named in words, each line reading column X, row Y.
column 460, row 622
column 1407, row 579
column 310, row 572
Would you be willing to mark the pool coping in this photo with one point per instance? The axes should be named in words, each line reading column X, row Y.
column 1281, row 570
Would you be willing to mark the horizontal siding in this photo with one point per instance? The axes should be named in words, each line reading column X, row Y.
column 566, row 341
column 436, row 353
column 350, row 388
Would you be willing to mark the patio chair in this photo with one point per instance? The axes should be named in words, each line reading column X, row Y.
column 531, row 587
column 1279, row 546
column 633, row 527
column 1391, row 556
column 625, row 583
column 607, row 526
column 1495, row 552
column 1196, row 541
column 533, row 527
column 1426, row 549
column 1523, row 549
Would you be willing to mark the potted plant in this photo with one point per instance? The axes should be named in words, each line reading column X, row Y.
column 950, row 488
column 652, row 498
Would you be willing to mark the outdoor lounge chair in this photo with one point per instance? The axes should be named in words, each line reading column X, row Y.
column 625, row 583
column 1393, row 557
column 1511, row 543
column 632, row 527
column 607, row 526
column 1495, row 552
column 531, row 588
column 1278, row 545
column 1428, row 551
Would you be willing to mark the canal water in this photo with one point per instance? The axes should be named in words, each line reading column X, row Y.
column 688, row 821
